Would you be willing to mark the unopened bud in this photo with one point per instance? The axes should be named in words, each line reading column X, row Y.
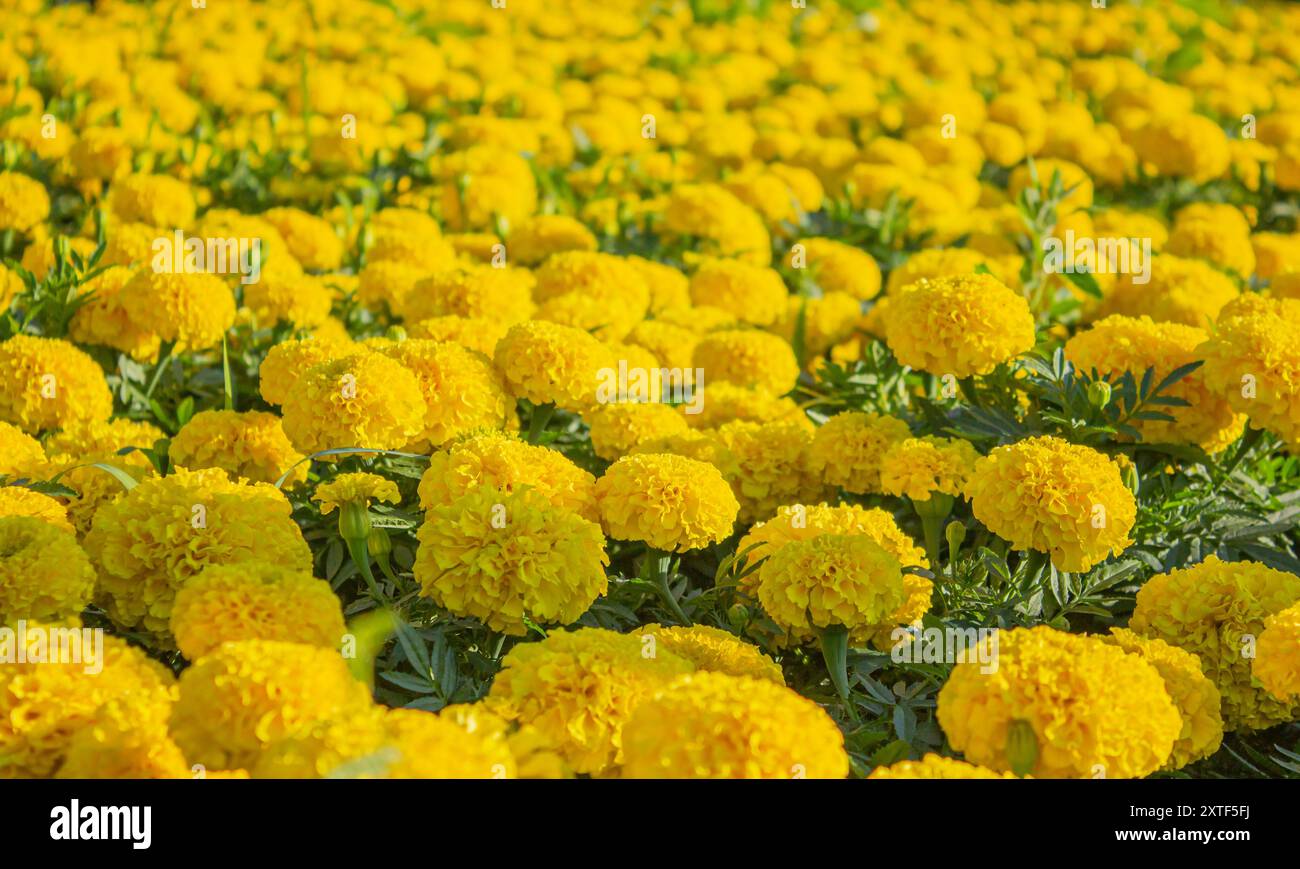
column 1099, row 394
column 955, row 534
column 1022, row 747
column 354, row 521
column 378, row 542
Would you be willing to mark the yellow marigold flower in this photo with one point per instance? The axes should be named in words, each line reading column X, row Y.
column 503, row 295
column 44, row 704
column 1074, row 180
column 1180, row 290
column 244, row 696
column 10, row 286
column 726, row 402
column 462, row 391
column 18, row 450
column 769, row 464
column 1275, row 254
column 150, row 541
column 1091, row 708
column 311, row 239
column 103, row 319
column 1192, row 692
column 831, row 580
column 714, row 725
column 827, row 320
column 672, row 503
column 154, row 200
column 472, row 333
column 40, row 257
column 300, row 299
column 1203, row 239
column 508, row 558
column 699, row 318
column 1253, row 360
column 288, row 361
column 1277, row 656
column 920, row 467
column 839, row 267
column 1217, row 610
column 251, row 446
column 935, row 766
column 549, row 363
column 428, row 746
column 536, row 238
column 961, row 326
column 748, row 357
column 388, row 283
column 355, row 744
column 669, row 288
column 21, row 501
column 1185, row 145
column 254, row 601
column 358, row 488
column 1048, row 495
column 44, row 574
column 617, row 429
column 506, row 463
column 672, row 346
column 713, row 650
column 723, row 225
column 849, row 448
column 578, row 689
column 1118, row 344
column 753, row 294
column 932, row 264
column 362, row 400
column 126, row 738
column 48, row 383
column 24, row 204
column 194, row 310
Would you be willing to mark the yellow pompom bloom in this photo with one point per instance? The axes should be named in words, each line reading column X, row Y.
column 428, row 746
column 1179, row 290
column 10, row 286
column 578, row 689
column 44, row 574
column 1207, row 240
column 154, row 200
column 388, row 283
column 462, row 391
column 311, row 239
column 1277, row 656
column 839, row 267
column 722, row 403
column 831, row 580
column 753, row 294
column 287, row 362
column 254, row 601
column 103, row 320
column 713, row 650
column 504, row 558
column 21, row 501
column 1253, row 360
column 769, row 464
column 507, row 464
column 934, row 766
column 714, row 725
column 722, row 223
column 300, row 299
column 1192, row 692
column 961, row 326
column 358, row 488
column 126, row 738
column 1216, row 610
column 194, row 310
column 672, row 503
column 43, row 705
column 362, row 400
column 749, row 358
column 24, row 204
column 18, row 450
column 669, row 288
column 617, row 429
column 536, row 238
column 503, row 295
column 250, row 446
column 549, row 363
column 1051, row 496
column 1185, row 145
column 1118, row 344
column 472, row 333
column 1091, row 708
column 47, row 383
column 149, row 542
column 935, row 263
column 919, row 467
column 355, row 744
column 848, row 451
column 244, row 696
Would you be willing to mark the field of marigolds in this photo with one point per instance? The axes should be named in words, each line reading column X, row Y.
column 649, row 389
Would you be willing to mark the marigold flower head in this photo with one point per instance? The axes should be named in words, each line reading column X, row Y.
column 672, row 503
column 714, row 725
column 155, row 200
column 749, row 358
column 578, row 689
column 754, row 294
column 126, row 738
column 254, row 601
column 549, row 363
column 721, row 223
column 849, row 449
column 960, row 326
column 1090, row 706
column 769, row 464
column 617, row 429
column 286, row 363
column 250, row 445
column 1191, row 690
column 387, row 284
column 934, row 263
column 1051, row 496
column 244, row 696
column 462, row 391
column 1207, row 240
column 192, row 309
column 365, row 399
column 839, row 267
column 18, row 450
column 21, row 501
column 537, row 238
column 722, row 403
column 311, row 239
column 24, row 204
column 669, row 288
column 713, row 650
column 428, row 746
column 1215, row 610
column 503, row 295
column 149, row 542
column 48, row 383
column 472, row 333
column 300, row 299
column 356, row 488
column 935, row 766
column 1178, row 290
column 103, row 320
column 44, row 574
column 920, row 467
column 10, row 286
column 1074, row 181
column 1277, row 656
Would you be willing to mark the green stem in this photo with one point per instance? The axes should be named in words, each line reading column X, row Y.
column 933, row 512
column 659, row 564
column 361, row 558
column 538, row 419
column 163, row 361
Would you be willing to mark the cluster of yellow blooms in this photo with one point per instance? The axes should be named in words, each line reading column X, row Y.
column 443, row 231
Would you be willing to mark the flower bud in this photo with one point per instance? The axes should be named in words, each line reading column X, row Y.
column 354, row 521
column 378, row 543
column 1022, row 747
column 1099, row 394
column 955, row 534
